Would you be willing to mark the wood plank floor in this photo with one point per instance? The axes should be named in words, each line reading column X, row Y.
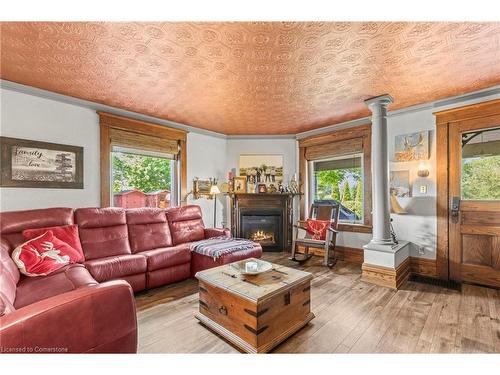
column 351, row 317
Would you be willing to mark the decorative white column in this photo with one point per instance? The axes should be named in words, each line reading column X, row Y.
column 385, row 262
column 381, row 216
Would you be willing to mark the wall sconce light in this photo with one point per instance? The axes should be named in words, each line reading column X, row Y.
column 423, row 171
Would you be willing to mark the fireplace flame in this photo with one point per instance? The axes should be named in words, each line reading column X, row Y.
column 260, row 235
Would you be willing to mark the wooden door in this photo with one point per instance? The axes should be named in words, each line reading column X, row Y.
column 474, row 193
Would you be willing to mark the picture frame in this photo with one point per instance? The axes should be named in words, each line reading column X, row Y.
column 201, row 188
column 261, row 168
column 262, row 188
column 399, row 183
column 411, row 146
column 34, row 164
column 239, row 185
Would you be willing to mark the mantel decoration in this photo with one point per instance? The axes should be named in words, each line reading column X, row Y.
column 240, row 184
column 34, row 164
column 262, row 169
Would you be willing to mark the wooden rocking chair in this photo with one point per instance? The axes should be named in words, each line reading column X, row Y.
column 319, row 211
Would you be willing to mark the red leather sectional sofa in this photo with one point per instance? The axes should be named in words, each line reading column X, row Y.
column 89, row 307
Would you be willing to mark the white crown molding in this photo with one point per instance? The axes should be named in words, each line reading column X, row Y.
column 50, row 95
column 447, row 103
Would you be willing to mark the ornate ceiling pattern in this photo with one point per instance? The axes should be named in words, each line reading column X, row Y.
column 255, row 77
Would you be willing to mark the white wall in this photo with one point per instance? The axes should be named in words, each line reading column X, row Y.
column 31, row 117
column 206, row 157
column 419, row 224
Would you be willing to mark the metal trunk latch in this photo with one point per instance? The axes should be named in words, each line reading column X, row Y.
column 223, row 310
column 287, row 298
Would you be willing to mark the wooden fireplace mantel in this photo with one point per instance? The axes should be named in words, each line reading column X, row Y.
column 284, row 202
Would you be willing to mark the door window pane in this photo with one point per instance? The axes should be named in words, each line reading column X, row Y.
column 340, row 179
column 480, row 177
column 141, row 180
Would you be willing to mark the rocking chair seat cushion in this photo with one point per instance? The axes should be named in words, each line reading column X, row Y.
column 317, row 228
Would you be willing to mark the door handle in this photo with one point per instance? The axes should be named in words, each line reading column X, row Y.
column 455, row 208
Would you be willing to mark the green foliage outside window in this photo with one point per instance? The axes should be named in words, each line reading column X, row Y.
column 343, row 185
column 144, row 173
column 481, row 178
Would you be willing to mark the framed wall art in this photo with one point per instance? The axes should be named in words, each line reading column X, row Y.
column 413, row 146
column 201, row 188
column 266, row 169
column 34, row 164
column 399, row 183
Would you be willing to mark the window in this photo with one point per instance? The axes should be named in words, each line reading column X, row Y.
column 142, row 164
column 480, row 177
column 340, row 179
column 142, row 179
column 337, row 166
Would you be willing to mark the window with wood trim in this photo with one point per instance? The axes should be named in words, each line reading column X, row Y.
column 141, row 178
column 339, row 179
column 337, row 166
column 142, row 164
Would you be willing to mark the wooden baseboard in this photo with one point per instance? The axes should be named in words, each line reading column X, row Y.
column 389, row 277
column 423, row 267
column 348, row 254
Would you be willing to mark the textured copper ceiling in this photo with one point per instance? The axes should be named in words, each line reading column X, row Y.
column 252, row 78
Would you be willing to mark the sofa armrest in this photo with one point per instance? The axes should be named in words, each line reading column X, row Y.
column 216, row 232
column 96, row 318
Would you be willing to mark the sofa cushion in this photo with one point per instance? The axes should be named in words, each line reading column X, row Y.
column 148, row 229
column 115, row 267
column 167, row 256
column 33, row 289
column 12, row 223
column 103, row 232
column 43, row 255
column 186, row 224
column 66, row 233
column 9, row 277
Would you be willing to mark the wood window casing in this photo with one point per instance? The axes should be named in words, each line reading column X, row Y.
column 345, row 141
column 121, row 131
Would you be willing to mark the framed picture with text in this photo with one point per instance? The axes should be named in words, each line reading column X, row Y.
column 34, row 164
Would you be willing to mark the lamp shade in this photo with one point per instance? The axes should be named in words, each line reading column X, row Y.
column 214, row 189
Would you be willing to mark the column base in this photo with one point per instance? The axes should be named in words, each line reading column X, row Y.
column 386, row 265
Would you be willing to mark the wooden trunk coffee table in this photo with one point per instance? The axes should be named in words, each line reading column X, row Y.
column 255, row 313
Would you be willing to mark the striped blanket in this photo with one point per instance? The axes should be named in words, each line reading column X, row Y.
column 217, row 246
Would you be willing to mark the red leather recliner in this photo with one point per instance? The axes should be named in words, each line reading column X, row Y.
column 67, row 311
column 90, row 307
